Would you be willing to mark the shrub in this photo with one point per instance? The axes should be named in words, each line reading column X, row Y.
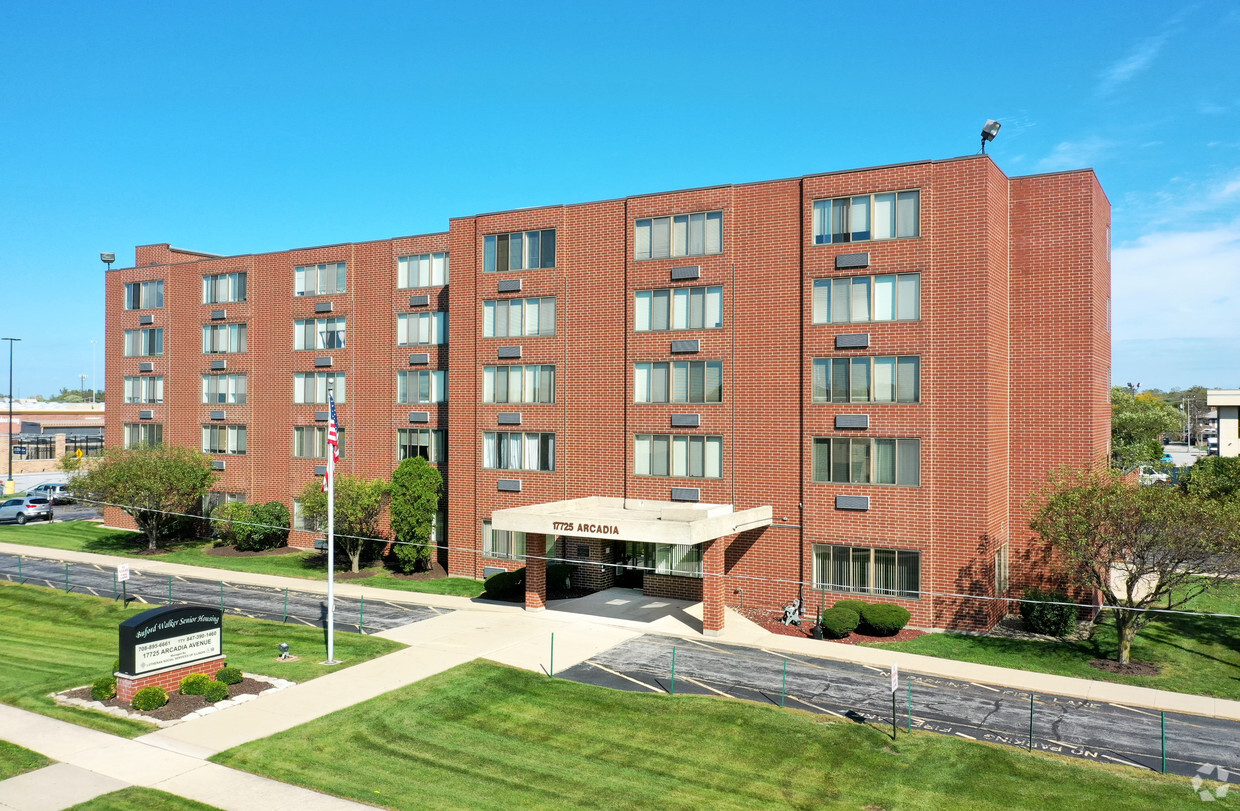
column 506, row 585
column 215, row 691
column 103, row 688
column 839, row 622
column 194, row 684
column 559, row 575
column 150, row 698
column 883, row 619
column 276, row 521
column 1041, row 617
column 855, row 605
column 229, row 675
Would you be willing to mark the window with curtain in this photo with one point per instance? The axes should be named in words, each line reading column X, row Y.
column 425, row 386
column 422, row 270
column 699, row 234
column 224, row 389
column 319, row 333
column 224, row 338
column 144, row 342
column 143, row 433
column 678, row 308
column 147, row 389
column 228, row 439
column 517, row 450
column 867, row 460
column 310, row 442
column 678, row 455
column 144, row 295
column 223, row 288
column 862, row 299
column 865, row 217
column 312, row 387
column 678, row 382
column 319, row 280
column 429, row 443
column 868, row 570
column 523, row 250
column 518, row 384
column 422, row 329
column 513, row 318
column 884, row 379
column 683, row 560
column 502, row 544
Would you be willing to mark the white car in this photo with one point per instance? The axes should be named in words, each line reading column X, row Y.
column 1148, row 475
column 23, row 508
column 55, row 493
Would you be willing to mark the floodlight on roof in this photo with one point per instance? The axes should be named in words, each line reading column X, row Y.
column 107, row 259
column 989, row 131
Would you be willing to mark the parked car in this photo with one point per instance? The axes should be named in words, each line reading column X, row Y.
column 56, row 493
column 25, row 508
column 1148, row 475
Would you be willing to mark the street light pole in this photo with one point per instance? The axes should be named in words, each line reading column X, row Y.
column 93, row 386
column 8, row 485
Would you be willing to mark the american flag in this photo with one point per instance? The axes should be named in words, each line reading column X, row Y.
column 333, row 440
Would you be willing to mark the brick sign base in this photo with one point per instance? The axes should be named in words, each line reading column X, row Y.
column 170, row 680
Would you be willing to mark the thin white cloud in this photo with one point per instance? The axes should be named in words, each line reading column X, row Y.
column 1131, row 64
column 1074, row 155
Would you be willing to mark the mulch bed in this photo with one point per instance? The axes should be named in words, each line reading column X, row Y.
column 770, row 621
column 436, row 572
column 178, row 706
column 234, row 552
column 1130, row 669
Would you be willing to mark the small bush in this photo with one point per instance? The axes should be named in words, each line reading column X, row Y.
column 150, row 698
column 215, row 691
column 506, row 585
column 855, row 605
column 194, row 684
column 116, row 665
column 839, row 622
column 559, row 575
column 883, row 619
column 1041, row 617
column 103, row 688
column 229, row 675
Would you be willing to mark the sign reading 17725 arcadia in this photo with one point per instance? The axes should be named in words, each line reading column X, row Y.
column 163, row 638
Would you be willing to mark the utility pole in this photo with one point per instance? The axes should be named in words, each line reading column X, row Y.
column 82, row 388
column 9, row 488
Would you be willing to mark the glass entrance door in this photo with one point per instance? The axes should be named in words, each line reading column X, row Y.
column 633, row 560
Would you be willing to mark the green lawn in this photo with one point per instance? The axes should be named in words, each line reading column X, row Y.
column 487, row 735
column 54, row 641
column 137, row 798
column 1199, row 655
column 87, row 536
column 15, row 760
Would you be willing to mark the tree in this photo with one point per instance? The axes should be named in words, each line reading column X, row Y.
column 154, row 484
column 416, row 490
column 1213, row 477
column 1136, row 423
column 359, row 503
column 252, row 527
column 1139, row 547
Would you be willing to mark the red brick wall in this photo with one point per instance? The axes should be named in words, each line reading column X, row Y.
column 170, row 680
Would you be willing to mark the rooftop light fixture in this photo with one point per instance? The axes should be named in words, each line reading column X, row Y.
column 989, row 132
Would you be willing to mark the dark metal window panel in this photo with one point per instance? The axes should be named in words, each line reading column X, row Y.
column 419, row 358
column 146, row 367
column 324, row 306
column 853, row 260
column 509, row 485
column 146, row 415
column 322, row 416
column 419, row 416
column 852, row 421
column 219, row 315
column 323, row 361
column 583, row 552
column 688, row 346
column 509, row 286
column 320, row 470
column 509, row 418
column 686, row 494
column 852, row 503
column 146, row 319
column 686, row 420
column 423, row 300
column 217, row 415
column 508, row 352
column 685, row 273
column 320, row 544
column 217, row 464
column 853, row 340
column 487, row 571
column 219, row 364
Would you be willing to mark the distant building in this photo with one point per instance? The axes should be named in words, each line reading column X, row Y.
column 44, row 432
column 1227, row 401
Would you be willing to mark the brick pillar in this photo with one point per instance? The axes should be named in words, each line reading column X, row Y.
column 535, row 572
column 712, row 588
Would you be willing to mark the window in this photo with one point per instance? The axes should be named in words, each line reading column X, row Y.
column 422, row 270
column 684, row 560
column 430, row 444
column 891, row 379
column 223, row 439
column 512, row 318
column 698, row 381
column 502, row 544
column 895, row 215
column 318, row 333
column 144, row 342
column 697, row 234
column 215, row 498
column 300, row 522
column 513, row 450
column 223, row 288
column 861, row 299
column 318, row 280
column 422, row 329
column 679, row 308
column 868, row 570
column 143, row 433
column 428, row 386
column 223, row 389
column 697, row 457
column 865, row 460
column 518, row 384
column 223, row 338
column 144, row 295
column 1002, row 580
column 311, row 387
column 144, row 389
column 524, row 250
column 88, row 445
column 310, row 442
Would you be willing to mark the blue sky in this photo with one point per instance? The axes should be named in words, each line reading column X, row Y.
column 249, row 127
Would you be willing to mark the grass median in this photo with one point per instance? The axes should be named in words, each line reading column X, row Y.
column 137, row 798
column 15, row 760
column 486, row 735
column 87, row 536
column 1198, row 655
column 54, row 641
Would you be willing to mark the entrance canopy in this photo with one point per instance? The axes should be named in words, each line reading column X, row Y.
column 627, row 519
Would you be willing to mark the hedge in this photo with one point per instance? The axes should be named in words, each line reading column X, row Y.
column 150, row 698
column 855, row 605
column 194, row 684
column 1042, row 617
column 839, row 622
column 511, row 585
column 229, row 675
column 215, row 691
column 883, row 619
column 103, row 688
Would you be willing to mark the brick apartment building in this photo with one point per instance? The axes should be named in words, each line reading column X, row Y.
column 847, row 382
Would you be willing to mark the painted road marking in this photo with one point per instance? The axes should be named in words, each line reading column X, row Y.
column 1133, row 709
column 815, row 706
column 1121, row 760
column 712, row 647
column 139, row 598
column 708, row 687
column 626, row 678
column 986, row 687
column 969, row 737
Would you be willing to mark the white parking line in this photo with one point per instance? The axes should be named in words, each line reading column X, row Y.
column 1134, row 709
column 1121, row 760
column 986, row 687
column 708, row 687
column 627, row 678
column 968, row 737
column 815, row 706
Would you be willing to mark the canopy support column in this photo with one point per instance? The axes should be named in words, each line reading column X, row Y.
column 535, row 571
column 712, row 587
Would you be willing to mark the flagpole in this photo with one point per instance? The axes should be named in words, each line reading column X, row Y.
column 331, row 532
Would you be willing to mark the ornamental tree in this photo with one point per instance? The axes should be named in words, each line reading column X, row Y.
column 1139, row 547
column 416, row 490
column 156, row 485
column 359, row 504
column 1137, row 421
